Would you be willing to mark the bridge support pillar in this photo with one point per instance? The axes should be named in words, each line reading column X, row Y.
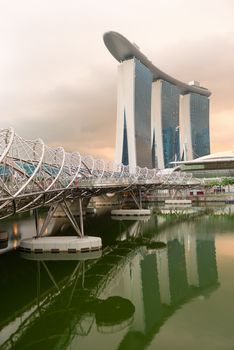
column 74, row 207
column 133, row 212
column 81, row 218
column 69, row 244
column 65, row 208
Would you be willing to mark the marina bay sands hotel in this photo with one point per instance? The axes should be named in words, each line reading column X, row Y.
column 159, row 118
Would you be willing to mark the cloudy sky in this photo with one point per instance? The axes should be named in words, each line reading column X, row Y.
column 58, row 81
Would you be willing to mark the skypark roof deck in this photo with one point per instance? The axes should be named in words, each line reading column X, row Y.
column 122, row 49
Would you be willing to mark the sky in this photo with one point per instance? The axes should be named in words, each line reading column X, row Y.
column 59, row 82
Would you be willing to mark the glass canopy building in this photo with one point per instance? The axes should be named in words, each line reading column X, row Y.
column 159, row 119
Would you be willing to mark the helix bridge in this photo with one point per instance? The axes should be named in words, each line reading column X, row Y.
column 34, row 175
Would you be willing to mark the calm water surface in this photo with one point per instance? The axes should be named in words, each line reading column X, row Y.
column 130, row 296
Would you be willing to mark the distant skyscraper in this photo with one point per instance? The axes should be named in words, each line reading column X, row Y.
column 159, row 119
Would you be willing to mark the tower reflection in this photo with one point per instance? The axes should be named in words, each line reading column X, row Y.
column 162, row 281
column 130, row 290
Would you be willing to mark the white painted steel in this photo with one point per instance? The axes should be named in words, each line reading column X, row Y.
column 33, row 174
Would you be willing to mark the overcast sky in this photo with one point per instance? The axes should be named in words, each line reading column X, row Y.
column 58, row 80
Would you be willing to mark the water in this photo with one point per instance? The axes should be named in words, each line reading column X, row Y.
column 132, row 297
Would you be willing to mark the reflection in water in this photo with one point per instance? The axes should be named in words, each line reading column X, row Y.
column 3, row 245
column 130, row 291
column 13, row 237
column 165, row 280
column 4, row 239
column 15, row 229
column 75, row 303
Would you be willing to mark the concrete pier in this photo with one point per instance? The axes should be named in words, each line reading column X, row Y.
column 178, row 202
column 131, row 212
column 70, row 244
column 90, row 210
column 63, row 256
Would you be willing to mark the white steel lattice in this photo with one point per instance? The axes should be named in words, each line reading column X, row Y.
column 33, row 174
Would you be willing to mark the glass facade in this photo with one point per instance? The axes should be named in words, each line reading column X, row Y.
column 170, row 99
column 211, row 170
column 143, row 85
column 199, row 119
column 154, row 156
column 125, row 160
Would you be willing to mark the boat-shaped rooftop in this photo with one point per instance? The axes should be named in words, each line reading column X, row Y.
column 122, row 49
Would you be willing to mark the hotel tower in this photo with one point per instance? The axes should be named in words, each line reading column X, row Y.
column 159, row 118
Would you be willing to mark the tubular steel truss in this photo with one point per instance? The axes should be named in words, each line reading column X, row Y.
column 33, row 175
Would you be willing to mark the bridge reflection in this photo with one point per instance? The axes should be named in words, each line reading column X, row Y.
column 131, row 290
